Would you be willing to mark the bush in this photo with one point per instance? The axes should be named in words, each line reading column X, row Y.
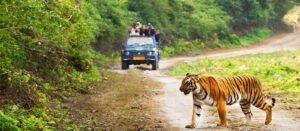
column 45, row 55
column 255, row 35
column 44, row 42
column 8, row 123
column 17, row 118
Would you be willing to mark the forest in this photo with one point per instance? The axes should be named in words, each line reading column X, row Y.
column 51, row 49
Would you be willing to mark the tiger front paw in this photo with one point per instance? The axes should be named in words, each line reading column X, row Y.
column 222, row 125
column 190, row 126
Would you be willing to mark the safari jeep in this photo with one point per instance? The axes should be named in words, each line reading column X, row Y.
column 140, row 50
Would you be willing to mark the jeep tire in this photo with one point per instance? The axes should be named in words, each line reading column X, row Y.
column 125, row 66
column 155, row 65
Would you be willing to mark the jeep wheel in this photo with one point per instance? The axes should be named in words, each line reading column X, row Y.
column 125, row 66
column 155, row 65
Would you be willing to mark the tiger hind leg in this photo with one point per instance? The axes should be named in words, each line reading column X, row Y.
column 246, row 105
column 263, row 105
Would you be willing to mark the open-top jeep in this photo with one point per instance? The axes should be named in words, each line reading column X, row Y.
column 140, row 50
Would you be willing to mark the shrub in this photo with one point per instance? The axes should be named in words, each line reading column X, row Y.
column 8, row 123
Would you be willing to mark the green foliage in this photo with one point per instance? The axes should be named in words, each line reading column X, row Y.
column 255, row 11
column 179, row 47
column 182, row 46
column 188, row 20
column 46, row 42
column 45, row 55
column 16, row 118
column 212, row 23
column 249, row 37
column 8, row 123
column 227, row 40
column 113, row 20
column 254, row 35
column 278, row 71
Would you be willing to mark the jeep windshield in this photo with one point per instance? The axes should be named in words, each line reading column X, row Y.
column 140, row 43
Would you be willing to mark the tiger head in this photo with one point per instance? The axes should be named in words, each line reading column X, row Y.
column 189, row 83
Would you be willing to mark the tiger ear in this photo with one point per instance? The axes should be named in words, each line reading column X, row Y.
column 187, row 74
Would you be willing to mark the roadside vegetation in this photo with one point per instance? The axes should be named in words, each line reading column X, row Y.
column 278, row 72
column 184, row 47
column 50, row 50
column 255, row 35
column 291, row 18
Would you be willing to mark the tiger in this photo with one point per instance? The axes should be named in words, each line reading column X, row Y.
column 219, row 92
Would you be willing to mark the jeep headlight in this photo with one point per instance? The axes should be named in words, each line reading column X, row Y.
column 127, row 53
column 150, row 53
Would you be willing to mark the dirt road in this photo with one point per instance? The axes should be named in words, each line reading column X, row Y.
column 176, row 107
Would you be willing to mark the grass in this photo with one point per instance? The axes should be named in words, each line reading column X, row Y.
column 122, row 102
column 278, row 71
